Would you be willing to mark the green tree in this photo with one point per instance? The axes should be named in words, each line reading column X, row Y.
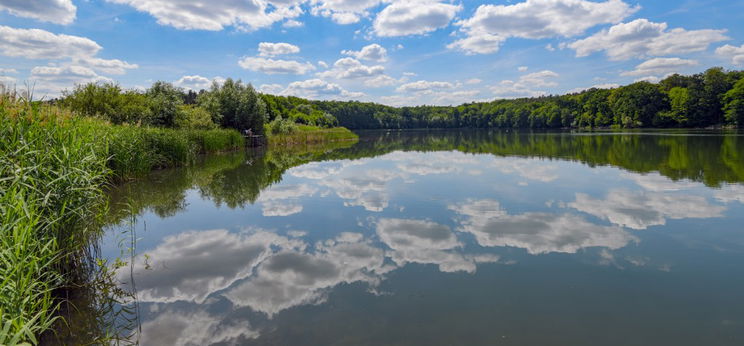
column 235, row 105
column 637, row 104
column 194, row 117
column 107, row 101
column 734, row 104
column 165, row 103
column 679, row 102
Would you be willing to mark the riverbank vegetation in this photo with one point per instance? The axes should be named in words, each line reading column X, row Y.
column 714, row 98
column 55, row 164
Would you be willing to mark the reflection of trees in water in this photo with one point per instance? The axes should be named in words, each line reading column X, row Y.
column 237, row 179
column 230, row 179
column 711, row 159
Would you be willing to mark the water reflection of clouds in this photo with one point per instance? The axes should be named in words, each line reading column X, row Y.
column 656, row 182
column 423, row 241
column 365, row 188
column 192, row 265
column 640, row 210
column 171, row 327
column 536, row 232
column 531, row 169
column 422, row 164
column 730, row 193
column 283, row 200
column 290, row 278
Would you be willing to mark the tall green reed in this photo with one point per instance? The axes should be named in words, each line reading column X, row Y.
column 53, row 166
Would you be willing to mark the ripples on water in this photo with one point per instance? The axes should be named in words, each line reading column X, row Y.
column 466, row 237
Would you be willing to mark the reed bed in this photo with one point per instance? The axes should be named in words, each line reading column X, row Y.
column 53, row 166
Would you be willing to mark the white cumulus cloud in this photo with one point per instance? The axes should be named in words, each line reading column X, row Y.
column 215, row 15
column 279, row 48
column 491, row 25
column 53, row 11
column 643, row 38
column 275, row 66
column 424, row 86
column 41, row 44
column 414, row 17
column 736, row 54
column 373, row 52
column 660, row 67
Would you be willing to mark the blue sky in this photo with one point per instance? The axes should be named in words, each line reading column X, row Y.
column 397, row 52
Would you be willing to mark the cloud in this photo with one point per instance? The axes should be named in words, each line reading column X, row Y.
column 6, row 81
column 381, row 81
column 193, row 328
column 319, row 89
column 245, row 15
column 373, row 52
column 110, row 66
column 658, row 183
column 413, row 17
column 342, row 11
column 191, row 266
column 642, row 38
column 736, row 54
column 640, row 210
column 730, row 193
column 53, row 11
column 536, row 232
column 540, row 79
column 431, row 163
column 275, row 66
column 274, row 49
column 478, row 43
column 291, row 277
column 283, row 200
column 51, row 79
column 278, row 208
column 525, row 86
column 291, row 23
column 366, row 188
column 528, row 169
column 317, row 170
column 41, row 44
column 273, row 89
column 491, row 25
column 283, row 192
column 422, row 241
column 660, row 67
column 424, row 86
column 350, row 68
column 195, row 82
column 523, row 68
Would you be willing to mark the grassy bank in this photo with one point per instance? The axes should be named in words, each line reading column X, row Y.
column 305, row 134
column 53, row 167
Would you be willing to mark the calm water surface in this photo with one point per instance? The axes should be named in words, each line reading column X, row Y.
column 445, row 238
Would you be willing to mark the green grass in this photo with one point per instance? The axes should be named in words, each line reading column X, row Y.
column 53, row 166
column 305, row 134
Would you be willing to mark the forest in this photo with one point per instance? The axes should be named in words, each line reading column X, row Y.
column 712, row 98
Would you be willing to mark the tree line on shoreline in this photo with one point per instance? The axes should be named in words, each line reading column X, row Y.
column 714, row 98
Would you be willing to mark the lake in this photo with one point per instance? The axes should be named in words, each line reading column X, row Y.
column 442, row 238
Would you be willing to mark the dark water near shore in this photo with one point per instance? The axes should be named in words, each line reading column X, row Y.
column 444, row 238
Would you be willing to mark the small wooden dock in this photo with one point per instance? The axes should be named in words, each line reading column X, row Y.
column 254, row 140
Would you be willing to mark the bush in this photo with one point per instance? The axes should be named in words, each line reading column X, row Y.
column 281, row 126
column 194, row 118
